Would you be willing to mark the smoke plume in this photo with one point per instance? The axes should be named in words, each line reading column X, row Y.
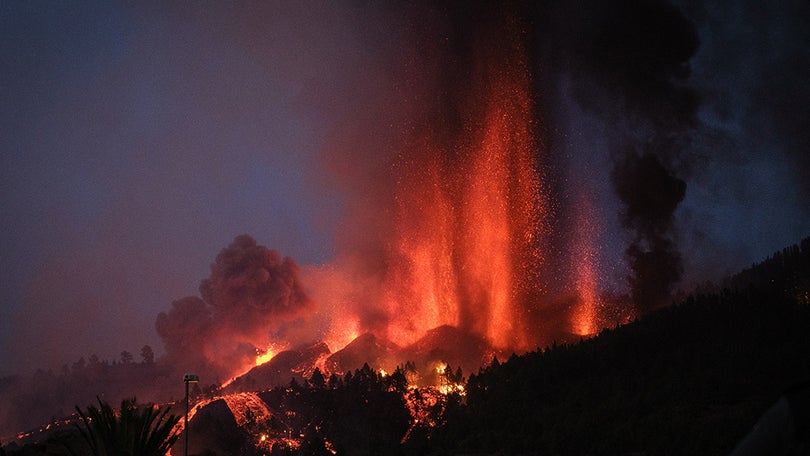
column 650, row 194
column 625, row 64
column 247, row 302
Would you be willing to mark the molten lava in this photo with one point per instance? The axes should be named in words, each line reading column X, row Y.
column 469, row 214
column 468, row 227
column 268, row 354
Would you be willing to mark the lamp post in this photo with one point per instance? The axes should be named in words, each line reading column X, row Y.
column 188, row 378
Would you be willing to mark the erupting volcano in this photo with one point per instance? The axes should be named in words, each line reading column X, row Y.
column 448, row 226
column 466, row 213
column 408, row 192
column 469, row 213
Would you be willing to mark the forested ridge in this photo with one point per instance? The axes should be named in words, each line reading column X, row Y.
column 690, row 378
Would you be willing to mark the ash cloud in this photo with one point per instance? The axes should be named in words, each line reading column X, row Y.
column 650, row 193
column 626, row 64
column 249, row 300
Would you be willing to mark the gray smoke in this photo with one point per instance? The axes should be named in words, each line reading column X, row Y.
column 247, row 302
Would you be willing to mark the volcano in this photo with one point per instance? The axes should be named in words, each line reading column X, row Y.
column 448, row 345
column 441, row 346
column 367, row 348
column 298, row 363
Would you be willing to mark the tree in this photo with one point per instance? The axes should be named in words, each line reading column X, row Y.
column 317, row 381
column 126, row 357
column 148, row 355
column 144, row 430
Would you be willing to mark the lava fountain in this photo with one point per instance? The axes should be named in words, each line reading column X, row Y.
column 470, row 211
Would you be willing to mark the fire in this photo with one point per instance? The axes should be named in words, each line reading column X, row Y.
column 441, row 368
column 470, row 219
column 243, row 405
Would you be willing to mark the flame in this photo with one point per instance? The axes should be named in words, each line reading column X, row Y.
column 241, row 403
column 452, row 388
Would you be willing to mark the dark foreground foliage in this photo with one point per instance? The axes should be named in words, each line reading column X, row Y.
column 131, row 430
column 692, row 378
column 362, row 412
column 144, row 430
column 688, row 379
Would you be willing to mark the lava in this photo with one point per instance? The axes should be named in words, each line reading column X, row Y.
column 465, row 252
column 268, row 354
column 456, row 245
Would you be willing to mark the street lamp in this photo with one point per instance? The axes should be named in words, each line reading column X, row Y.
column 188, row 378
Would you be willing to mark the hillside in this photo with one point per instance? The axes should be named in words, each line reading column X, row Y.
column 692, row 378
column 688, row 379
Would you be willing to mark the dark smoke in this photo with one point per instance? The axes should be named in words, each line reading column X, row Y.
column 252, row 288
column 650, row 194
column 185, row 330
column 626, row 64
column 247, row 302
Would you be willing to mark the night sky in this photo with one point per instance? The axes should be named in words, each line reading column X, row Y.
column 138, row 140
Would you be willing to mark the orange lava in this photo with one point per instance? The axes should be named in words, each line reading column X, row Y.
column 465, row 249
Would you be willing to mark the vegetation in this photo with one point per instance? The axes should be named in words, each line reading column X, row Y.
column 142, row 430
column 692, row 378
column 689, row 379
column 360, row 413
column 31, row 400
column 133, row 431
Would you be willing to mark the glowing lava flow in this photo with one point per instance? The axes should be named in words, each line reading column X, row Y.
column 470, row 215
column 271, row 351
column 244, row 405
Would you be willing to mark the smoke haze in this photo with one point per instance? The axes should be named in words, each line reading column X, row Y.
column 145, row 137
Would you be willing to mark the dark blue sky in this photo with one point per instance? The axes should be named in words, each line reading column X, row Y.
column 136, row 143
column 138, row 140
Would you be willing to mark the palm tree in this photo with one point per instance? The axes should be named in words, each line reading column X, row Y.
column 145, row 430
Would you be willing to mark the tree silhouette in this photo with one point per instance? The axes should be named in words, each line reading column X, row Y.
column 126, row 357
column 148, row 355
column 317, row 380
column 136, row 430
